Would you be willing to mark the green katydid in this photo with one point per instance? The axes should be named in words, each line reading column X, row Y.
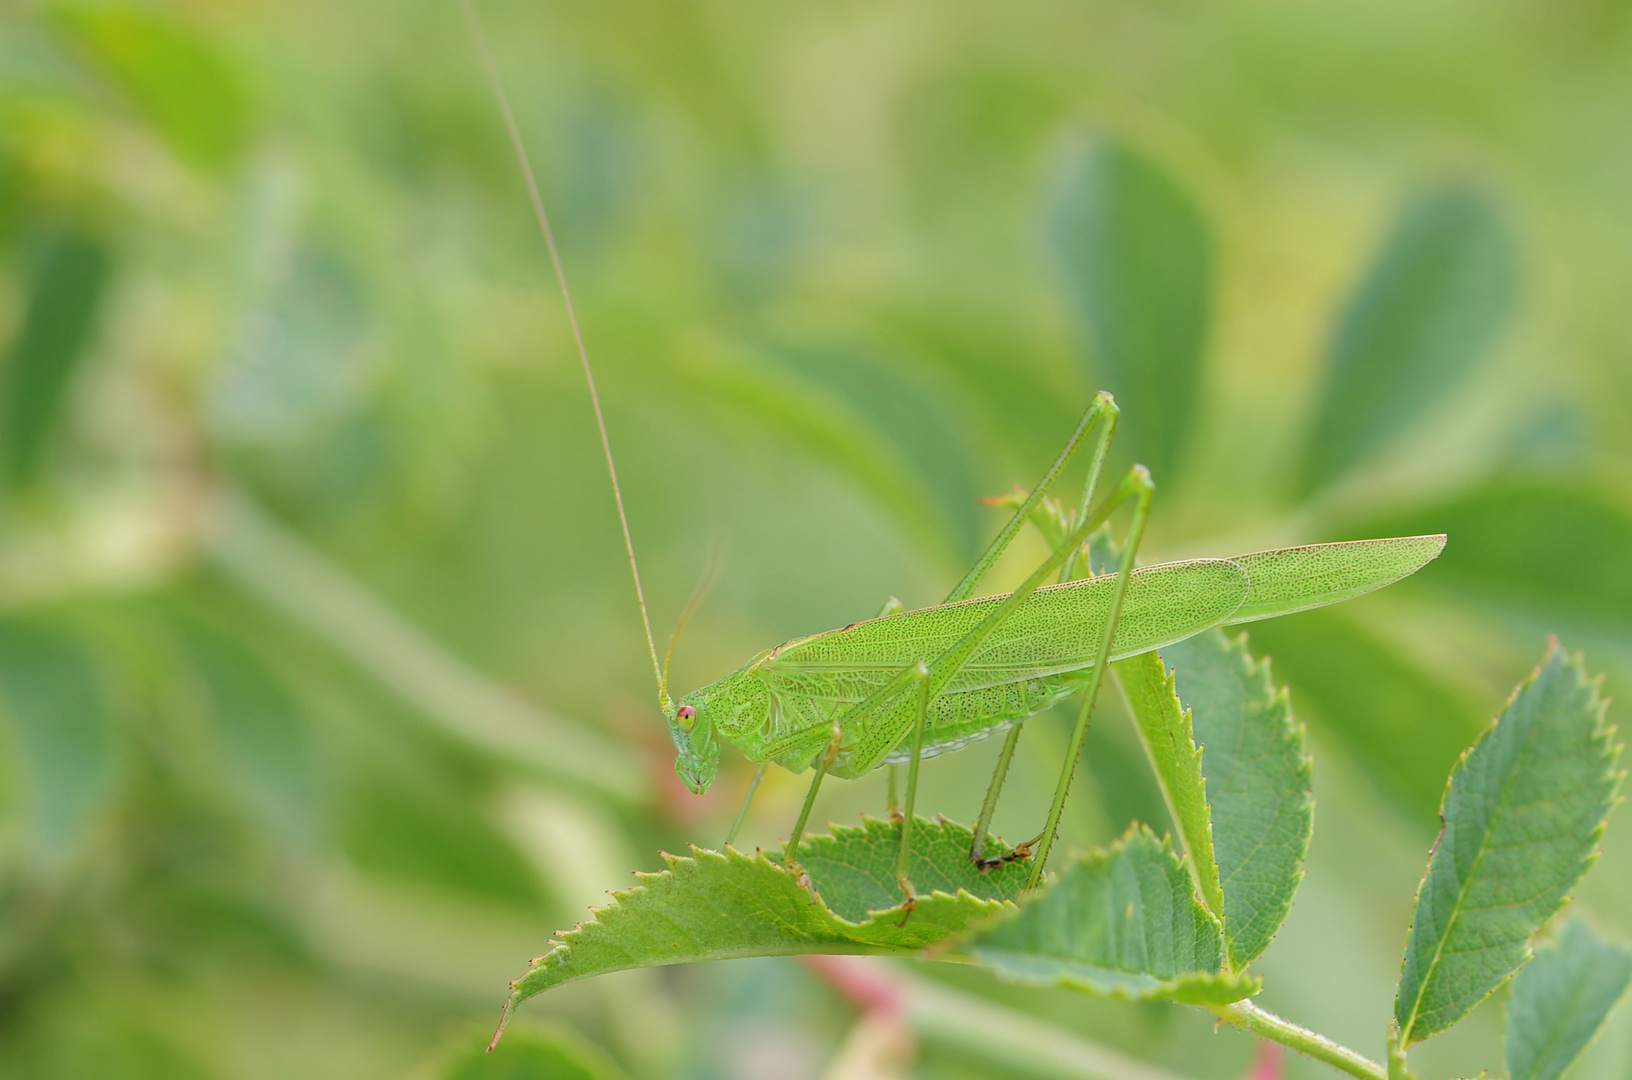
column 911, row 684
column 907, row 685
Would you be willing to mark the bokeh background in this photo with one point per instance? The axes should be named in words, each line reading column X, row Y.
column 324, row 694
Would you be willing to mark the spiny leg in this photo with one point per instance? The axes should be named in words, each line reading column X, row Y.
column 905, row 852
column 742, row 811
column 1103, row 407
column 1137, row 486
column 988, row 805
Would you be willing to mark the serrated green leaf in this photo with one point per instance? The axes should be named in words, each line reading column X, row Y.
column 1137, row 257
column 51, row 693
column 1428, row 310
column 1164, row 724
column 1561, row 1000
column 853, row 867
column 1123, row 921
column 1522, row 816
column 714, row 906
column 65, row 289
column 1259, row 784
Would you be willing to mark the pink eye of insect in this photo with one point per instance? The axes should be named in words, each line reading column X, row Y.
column 685, row 712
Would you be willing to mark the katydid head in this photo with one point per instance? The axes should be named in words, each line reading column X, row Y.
column 696, row 753
column 692, row 733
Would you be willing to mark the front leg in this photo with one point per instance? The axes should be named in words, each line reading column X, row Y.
column 823, row 763
column 910, row 904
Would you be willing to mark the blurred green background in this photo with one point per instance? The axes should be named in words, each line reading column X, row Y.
column 324, row 696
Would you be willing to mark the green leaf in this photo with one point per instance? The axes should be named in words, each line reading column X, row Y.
column 1165, row 725
column 1429, row 309
column 1522, row 816
column 824, row 427
column 51, row 692
column 1404, row 726
column 1557, row 548
column 1288, row 580
column 714, row 906
column 65, row 288
column 1259, row 784
column 262, row 731
column 1561, row 999
column 410, row 827
column 1124, row 922
column 853, row 867
column 913, row 413
column 1138, row 262
column 183, row 86
column 551, row 1054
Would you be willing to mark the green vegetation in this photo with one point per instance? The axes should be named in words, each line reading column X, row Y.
column 323, row 697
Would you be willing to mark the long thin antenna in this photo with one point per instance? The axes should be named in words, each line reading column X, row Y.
column 711, row 574
column 520, row 150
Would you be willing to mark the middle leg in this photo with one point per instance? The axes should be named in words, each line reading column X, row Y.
column 1105, row 411
column 1138, row 487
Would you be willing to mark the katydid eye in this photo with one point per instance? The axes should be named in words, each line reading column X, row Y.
column 686, row 715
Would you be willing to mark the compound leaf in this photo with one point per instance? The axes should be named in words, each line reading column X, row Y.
column 1123, row 922
column 1259, row 784
column 1429, row 309
column 1164, row 724
column 1137, row 257
column 1561, row 1000
column 1522, row 816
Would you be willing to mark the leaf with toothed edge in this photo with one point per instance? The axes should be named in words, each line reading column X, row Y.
column 1122, row 922
column 1561, row 1000
column 1164, row 726
column 1259, row 784
column 853, row 868
column 713, row 906
column 1522, row 816
column 1132, row 925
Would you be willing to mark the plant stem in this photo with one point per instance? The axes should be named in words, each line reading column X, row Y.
column 1248, row 1017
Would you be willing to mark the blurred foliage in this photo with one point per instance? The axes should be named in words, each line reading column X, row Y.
column 1352, row 270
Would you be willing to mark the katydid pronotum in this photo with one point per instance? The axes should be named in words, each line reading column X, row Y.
column 907, row 685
